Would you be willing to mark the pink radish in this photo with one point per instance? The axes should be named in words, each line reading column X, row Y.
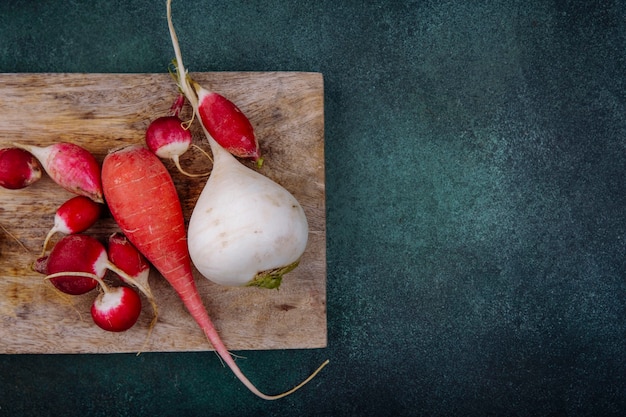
column 153, row 221
column 18, row 168
column 70, row 166
column 74, row 216
column 116, row 309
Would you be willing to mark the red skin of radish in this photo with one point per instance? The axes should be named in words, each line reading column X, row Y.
column 18, row 168
column 76, row 253
column 75, row 216
column 125, row 256
column 72, row 167
column 227, row 124
column 167, row 137
column 116, row 309
column 153, row 221
column 41, row 265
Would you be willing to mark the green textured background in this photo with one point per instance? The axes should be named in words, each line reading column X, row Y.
column 475, row 156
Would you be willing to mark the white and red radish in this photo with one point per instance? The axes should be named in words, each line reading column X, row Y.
column 169, row 138
column 220, row 117
column 18, row 168
column 75, row 259
column 71, row 166
column 227, row 124
column 116, row 309
column 76, row 265
column 245, row 229
column 74, row 216
column 153, row 221
column 71, row 259
column 125, row 256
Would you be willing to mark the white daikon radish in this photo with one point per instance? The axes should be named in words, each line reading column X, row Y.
column 245, row 229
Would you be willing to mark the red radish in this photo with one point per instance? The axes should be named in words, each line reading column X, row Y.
column 228, row 125
column 116, row 309
column 18, row 168
column 72, row 255
column 75, row 259
column 220, row 117
column 70, row 166
column 169, row 138
column 41, row 265
column 153, row 221
column 74, row 216
column 126, row 257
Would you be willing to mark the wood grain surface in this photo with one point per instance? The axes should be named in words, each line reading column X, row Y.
column 103, row 111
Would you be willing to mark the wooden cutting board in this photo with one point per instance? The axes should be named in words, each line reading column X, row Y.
column 104, row 111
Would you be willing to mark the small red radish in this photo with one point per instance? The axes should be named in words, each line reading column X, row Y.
column 169, row 138
column 227, row 124
column 75, row 259
column 18, row 168
column 74, row 216
column 125, row 256
column 116, row 309
column 71, row 258
column 70, row 166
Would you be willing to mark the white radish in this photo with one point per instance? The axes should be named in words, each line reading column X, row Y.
column 245, row 229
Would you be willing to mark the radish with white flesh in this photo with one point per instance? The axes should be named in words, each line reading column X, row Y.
column 75, row 259
column 116, row 309
column 18, row 168
column 72, row 167
column 245, row 229
column 74, row 216
column 168, row 138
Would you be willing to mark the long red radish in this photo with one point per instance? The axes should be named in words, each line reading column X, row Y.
column 18, row 168
column 153, row 221
column 71, row 166
column 74, row 216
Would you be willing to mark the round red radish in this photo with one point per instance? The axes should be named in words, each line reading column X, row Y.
column 168, row 138
column 116, row 309
column 77, row 253
column 18, row 168
column 74, row 216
